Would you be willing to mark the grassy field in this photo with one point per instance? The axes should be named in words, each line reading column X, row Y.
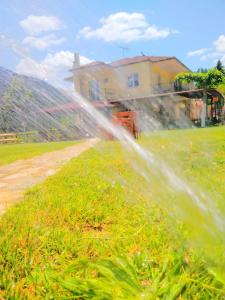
column 13, row 152
column 96, row 231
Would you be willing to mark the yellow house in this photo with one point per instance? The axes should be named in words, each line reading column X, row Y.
column 127, row 78
column 142, row 84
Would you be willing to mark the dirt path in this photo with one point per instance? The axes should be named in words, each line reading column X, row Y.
column 16, row 177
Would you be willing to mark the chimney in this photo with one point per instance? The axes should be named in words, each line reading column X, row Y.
column 76, row 62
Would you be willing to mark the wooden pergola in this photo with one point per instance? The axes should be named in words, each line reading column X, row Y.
column 215, row 100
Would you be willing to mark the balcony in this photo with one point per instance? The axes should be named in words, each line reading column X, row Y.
column 171, row 87
column 112, row 94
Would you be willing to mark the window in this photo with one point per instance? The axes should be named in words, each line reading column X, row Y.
column 133, row 80
column 94, row 90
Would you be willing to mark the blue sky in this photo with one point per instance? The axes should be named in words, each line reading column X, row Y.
column 44, row 33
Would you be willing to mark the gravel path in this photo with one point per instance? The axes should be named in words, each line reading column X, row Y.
column 16, row 177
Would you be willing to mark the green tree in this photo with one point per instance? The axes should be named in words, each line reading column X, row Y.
column 220, row 66
column 203, row 80
column 14, row 111
column 221, row 88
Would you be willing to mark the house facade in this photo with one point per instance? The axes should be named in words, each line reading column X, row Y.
column 126, row 78
column 136, row 83
column 146, row 85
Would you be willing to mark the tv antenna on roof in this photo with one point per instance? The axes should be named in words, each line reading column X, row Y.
column 124, row 50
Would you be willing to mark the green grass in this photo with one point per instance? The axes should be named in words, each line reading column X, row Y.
column 12, row 152
column 96, row 230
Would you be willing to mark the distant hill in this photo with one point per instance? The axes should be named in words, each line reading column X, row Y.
column 5, row 79
column 43, row 94
column 22, row 100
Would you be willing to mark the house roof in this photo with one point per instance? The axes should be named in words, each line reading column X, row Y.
column 126, row 61
column 137, row 59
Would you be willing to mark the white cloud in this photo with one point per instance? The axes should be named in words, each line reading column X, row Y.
column 198, row 52
column 43, row 42
column 30, row 67
column 13, row 45
column 217, row 51
column 53, row 68
column 125, row 27
column 220, row 43
column 64, row 59
column 211, row 55
column 38, row 24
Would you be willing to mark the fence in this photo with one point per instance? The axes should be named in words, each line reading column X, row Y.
column 35, row 136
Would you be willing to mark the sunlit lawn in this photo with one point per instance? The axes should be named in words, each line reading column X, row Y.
column 199, row 155
column 12, row 152
column 92, row 231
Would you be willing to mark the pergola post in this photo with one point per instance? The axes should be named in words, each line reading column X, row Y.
column 203, row 113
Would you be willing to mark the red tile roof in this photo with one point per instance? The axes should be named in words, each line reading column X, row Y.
column 137, row 59
column 126, row 61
